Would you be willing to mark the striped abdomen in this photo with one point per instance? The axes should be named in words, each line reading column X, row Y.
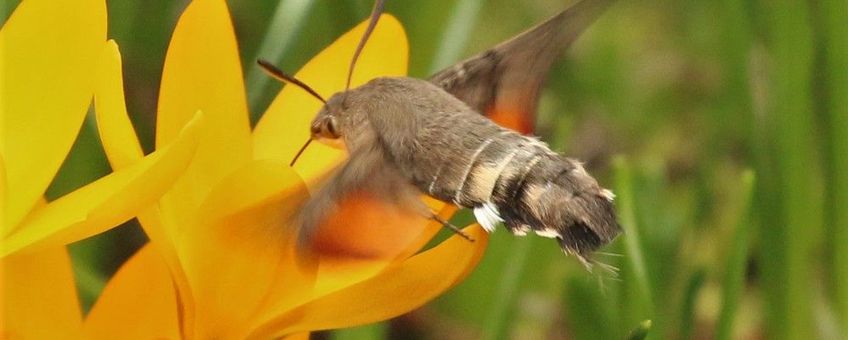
column 518, row 180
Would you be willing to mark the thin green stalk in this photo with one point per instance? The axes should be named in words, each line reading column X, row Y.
column 625, row 204
column 367, row 332
column 455, row 37
column 687, row 319
column 835, row 15
column 508, row 284
column 795, row 215
column 734, row 276
column 587, row 307
column 735, row 52
column 284, row 26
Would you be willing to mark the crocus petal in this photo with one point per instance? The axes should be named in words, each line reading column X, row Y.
column 107, row 202
column 154, row 225
column 202, row 72
column 297, row 336
column 39, row 296
column 285, row 125
column 242, row 248
column 123, row 150
column 116, row 131
column 395, row 291
column 49, row 51
column 139, row 302
column 2, row 188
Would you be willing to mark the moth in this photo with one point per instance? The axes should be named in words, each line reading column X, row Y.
column 406, row 137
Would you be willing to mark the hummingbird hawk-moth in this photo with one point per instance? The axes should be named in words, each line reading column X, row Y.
column 407, row 137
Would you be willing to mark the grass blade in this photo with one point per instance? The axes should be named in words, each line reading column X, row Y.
column 455, row 36
column 286, row 24
column 734, row 277
column 687, row 319
column 367, row 332
column 508, row 285
column 790, row 172
column 642, row 301
column 587, row 308
column 835, row 16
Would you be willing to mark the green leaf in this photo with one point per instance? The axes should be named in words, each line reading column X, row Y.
column 835, row 50
column 455, row 37
column 734, row 276
column 367, row 332
column 789, row 171
column 642, row 300
column 495, row 324
column 285, row 25
column 687, row 319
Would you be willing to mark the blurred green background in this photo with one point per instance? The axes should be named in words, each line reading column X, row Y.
column 721, row 125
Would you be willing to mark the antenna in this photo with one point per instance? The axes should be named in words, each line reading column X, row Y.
column 375, row 16
column 299, row 152
column 279, row 75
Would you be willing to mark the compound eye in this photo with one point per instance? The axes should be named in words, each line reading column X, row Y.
column 330, row 128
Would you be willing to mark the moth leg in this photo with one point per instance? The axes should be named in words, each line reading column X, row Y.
column 450, row 226
column 425, row 211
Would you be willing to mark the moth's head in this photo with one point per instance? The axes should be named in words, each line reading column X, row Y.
column 330, row 122
column 342, row 119
column 325, row 125
column 333, row 121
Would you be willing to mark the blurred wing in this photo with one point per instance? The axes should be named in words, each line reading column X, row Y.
column 504, row 82
column 355, row 212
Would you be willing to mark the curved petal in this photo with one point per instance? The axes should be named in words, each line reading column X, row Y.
column 297, row 336
column 107, row 202
column 202, row 72
column 395, row 291
column 2, row 187
column 154, row 225
column 123, row 150
column 139, row 302
column 242, row 248
column 285, row 125
column 38, row 59
column 39, row 296
column 113, row 123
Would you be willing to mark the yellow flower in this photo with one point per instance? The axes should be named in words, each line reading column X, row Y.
column 48, row 73
column 49, row 55
column 221, row 259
